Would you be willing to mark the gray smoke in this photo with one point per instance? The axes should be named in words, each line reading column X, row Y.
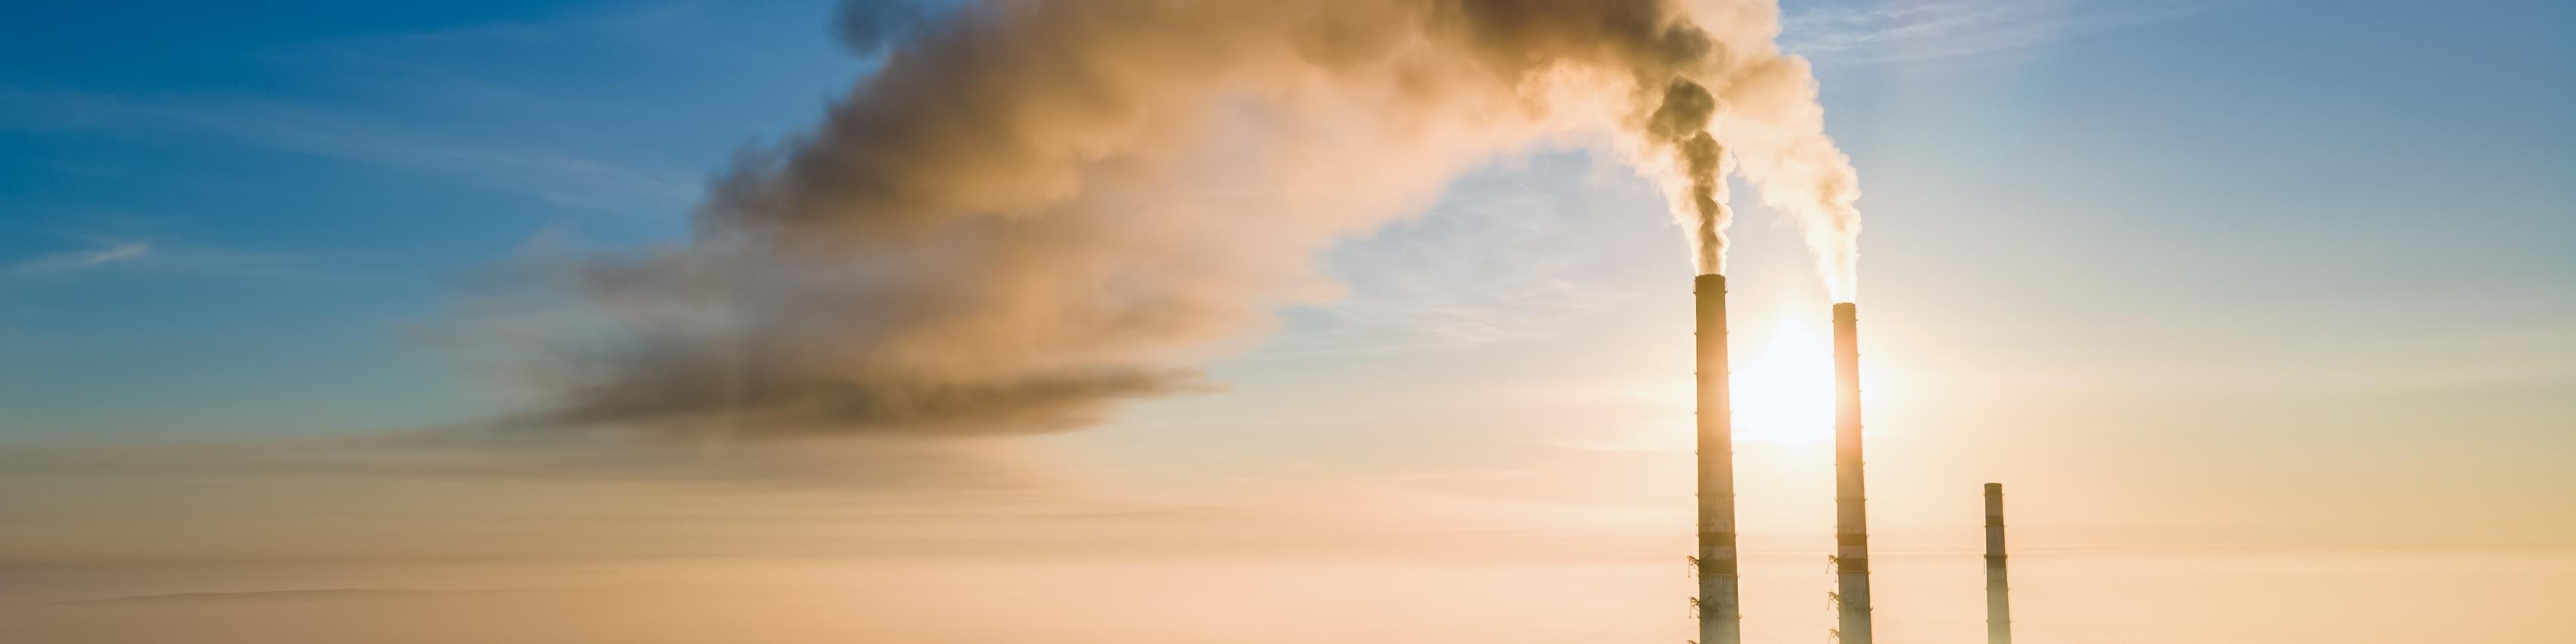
column 1682, row 122
column 1039, row 208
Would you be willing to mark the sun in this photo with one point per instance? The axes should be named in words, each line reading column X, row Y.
column 1784, row 391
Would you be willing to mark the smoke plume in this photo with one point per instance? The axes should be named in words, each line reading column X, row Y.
column 1038, row 208
column 1777, row 130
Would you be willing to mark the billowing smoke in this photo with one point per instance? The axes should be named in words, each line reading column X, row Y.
column 1681, row 124
column 1038, row 208
column 1777, row 131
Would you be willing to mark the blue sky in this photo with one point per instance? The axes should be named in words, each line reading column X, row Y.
column 258, row 220
column 311, row 181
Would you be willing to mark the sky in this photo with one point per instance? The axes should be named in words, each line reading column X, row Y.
column 2250, row 304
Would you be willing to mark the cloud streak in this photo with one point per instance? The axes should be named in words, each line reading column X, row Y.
column 165, row 257
column 559, row 179
column 107, row 252
column 1928, row 29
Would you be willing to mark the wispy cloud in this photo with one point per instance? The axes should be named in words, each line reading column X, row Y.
column 1880, row 31
column 164, row 257
column 1501, row 262
column 641, row 20
column 108, row 252
column 427, row 66
column 557, row 178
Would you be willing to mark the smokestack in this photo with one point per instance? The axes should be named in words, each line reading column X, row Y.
column 1998, row 596
column 1851, row 507
column 1721, row 618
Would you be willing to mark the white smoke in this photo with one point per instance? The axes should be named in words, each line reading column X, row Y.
column 1038, row 208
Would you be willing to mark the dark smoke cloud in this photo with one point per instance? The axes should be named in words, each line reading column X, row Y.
column 1682, row 121
column 1039, row 208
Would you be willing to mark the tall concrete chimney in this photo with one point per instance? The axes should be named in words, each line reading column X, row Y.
column 1998, row 595
column 1721, row 618
column 1851, row 506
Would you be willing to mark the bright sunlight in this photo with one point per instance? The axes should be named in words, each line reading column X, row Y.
column 1784, row 391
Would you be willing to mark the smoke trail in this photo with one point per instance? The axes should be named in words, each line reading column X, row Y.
column 1681, row 122
column 1777, row 131
column 1038, row 208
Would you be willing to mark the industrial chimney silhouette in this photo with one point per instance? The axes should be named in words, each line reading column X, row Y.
column 1721, row 618
column 1851, row 506
column 1998, row 593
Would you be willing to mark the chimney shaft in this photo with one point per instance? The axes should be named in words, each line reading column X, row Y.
column 1721, row 618
column 1998, row 595
column 1851, row 512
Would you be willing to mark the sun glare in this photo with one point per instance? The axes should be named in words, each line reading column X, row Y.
column 1784, row 390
